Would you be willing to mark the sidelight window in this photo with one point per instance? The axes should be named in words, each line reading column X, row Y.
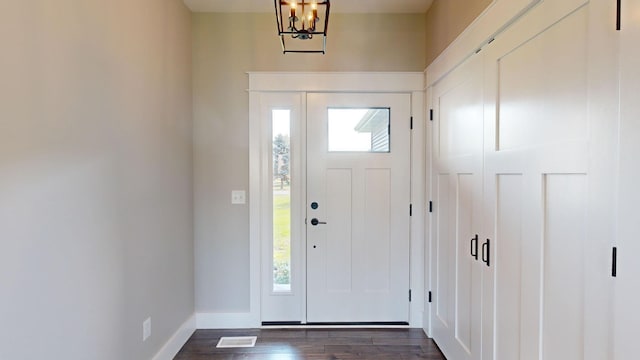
column 281, row 190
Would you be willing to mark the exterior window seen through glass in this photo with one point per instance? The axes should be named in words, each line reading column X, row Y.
column 281, row 190
column 359, row 130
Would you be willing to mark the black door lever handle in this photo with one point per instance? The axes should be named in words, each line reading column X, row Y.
column 316, row 222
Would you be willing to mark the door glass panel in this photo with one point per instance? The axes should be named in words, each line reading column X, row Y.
column 281, row 128
column 358, row 129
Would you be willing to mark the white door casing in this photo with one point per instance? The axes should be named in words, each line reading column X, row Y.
column 358, row 262
column 264, row 85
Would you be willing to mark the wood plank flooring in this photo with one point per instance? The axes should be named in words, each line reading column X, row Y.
column 314, row 344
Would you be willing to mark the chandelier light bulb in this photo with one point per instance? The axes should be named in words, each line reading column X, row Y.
column 292, row 12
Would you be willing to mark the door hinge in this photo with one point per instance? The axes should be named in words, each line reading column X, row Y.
column 614, row 262
column 430, row 206
column 431, row 114
column 429, row 296
column 409, row 295
column 411, row 123
column 410, row 209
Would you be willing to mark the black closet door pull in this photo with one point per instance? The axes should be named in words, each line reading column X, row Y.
column 614, row 262
column 474, row 247
column 486, row 252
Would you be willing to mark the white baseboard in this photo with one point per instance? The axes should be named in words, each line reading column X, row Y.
column 177, row 340
column 226, row 321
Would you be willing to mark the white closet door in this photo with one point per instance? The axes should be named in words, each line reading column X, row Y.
column 537, row 185
column 549, row 91
column 627, row 281
column 457, row 170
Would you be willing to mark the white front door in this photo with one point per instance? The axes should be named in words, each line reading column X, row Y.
column 357, row 208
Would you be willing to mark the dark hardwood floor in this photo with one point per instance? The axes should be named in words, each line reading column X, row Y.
column 315, row 344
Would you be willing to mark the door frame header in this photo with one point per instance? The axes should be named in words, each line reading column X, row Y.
column 388, row 82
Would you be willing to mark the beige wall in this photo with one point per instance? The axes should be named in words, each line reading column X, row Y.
column 95, row 177
column 96, row 170
column 225, row 47
column 446, row 19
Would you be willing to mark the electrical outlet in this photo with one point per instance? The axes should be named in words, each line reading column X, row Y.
column 238, row 197
column 146, row 329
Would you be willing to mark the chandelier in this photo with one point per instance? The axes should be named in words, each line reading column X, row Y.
column 302, row 25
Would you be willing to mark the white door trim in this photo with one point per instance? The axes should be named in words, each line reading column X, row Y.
column 398, row 82
column 385, row 82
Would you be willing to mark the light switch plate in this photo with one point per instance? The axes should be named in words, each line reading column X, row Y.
column 238, row 197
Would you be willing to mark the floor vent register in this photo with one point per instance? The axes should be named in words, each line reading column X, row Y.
column 237, row 341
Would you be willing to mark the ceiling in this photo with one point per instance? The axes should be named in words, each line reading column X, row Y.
column 337, row 6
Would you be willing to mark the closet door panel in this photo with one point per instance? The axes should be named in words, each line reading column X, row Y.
column 627, row 281
column 563, row 279
column 468, row 278
column 508, row 268
column 536, row 171
column 552, row 62
column 457, row 167
column 460, row 110
column 444, row 232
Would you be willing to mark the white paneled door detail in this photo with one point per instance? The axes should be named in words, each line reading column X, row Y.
column 358, row 193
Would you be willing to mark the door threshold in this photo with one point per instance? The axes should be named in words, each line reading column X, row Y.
column 335, row 325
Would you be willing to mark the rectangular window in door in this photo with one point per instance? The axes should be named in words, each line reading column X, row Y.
column 358, row 130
